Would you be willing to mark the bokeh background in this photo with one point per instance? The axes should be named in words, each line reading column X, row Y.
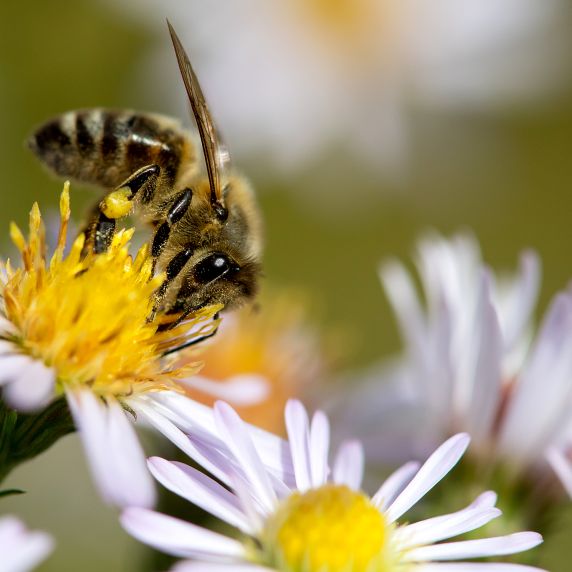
column 362, row 124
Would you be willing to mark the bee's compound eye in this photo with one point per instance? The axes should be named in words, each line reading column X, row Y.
column 213, row 267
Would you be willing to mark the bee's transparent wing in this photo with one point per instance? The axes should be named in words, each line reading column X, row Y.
column 216, row 155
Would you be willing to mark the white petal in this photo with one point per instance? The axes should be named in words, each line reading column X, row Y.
column 403, row 299
column 545, row 380
column 12, row 364
column 348, row 467
column 195, row 418
column 484, row 393
column 32, row 388
column 199, row 489
column 522, row 299
column 21, row 549
column 497, row 546
column 562, row 466
column 432, row 471
column 319, row 448
column 477, row 567
column 394, row 484
column 149, row 411
column 297, row 426
column 255, row 512
column 235, row 434
column 115, row 456
column 179, row 538
column 477, row 514
column 239, row 390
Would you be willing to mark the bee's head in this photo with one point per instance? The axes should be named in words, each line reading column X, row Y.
column 215, row 277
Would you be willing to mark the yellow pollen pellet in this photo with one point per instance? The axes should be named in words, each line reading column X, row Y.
column 118, row 203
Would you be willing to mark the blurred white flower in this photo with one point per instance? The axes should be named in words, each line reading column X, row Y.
column 292, row 81
column 296, row 513
column 21, row 549
column 471, row 364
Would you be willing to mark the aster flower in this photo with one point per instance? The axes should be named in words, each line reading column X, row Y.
column 474, row 363
column 78, row 327
column 300, row 514
column 21, row 549
column 274, row 346
column 310, row 77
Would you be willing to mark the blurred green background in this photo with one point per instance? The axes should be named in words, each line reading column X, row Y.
column 512, row 187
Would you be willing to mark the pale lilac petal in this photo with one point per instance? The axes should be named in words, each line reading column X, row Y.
column 319, row 448
column 239, row 390
column 394, row 484
column 153, row 414
column 497, row 546
column 11, row 365
column 224, row 463
column 178, row 537
column 255, row 511
column 546, row 380
column 31, row 387
column 21, row 549
column 431, row 530
column 236, row 436
column 403, row 298
column 201, row 490
column 562, row 466
column 484, row 391
column 195, row 419
column 349, row 465
column 478, row 567
column 432, row 471
column 298, row 429
column 115, row 456
column 193, row 566
column 522, row 300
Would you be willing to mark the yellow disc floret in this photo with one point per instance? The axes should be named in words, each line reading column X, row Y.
column 88, row 316
column 329, row 529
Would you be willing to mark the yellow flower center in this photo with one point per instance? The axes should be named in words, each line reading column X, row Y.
column 88, row 317
column 329, row 529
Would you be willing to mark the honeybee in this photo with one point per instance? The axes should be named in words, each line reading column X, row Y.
column 206, row 229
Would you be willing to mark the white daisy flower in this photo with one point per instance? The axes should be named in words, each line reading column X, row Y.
column 21, row 549
column 78, row 327
column 292, row 81
column 473, row 364
column 293, row 512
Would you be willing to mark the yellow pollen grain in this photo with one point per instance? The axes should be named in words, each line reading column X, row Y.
column 88, row 316
column 329, row 529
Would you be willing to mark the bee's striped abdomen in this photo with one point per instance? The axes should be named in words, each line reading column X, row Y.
column 104, row 147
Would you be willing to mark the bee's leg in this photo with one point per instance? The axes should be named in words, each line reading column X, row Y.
column 117, row 204
column 179, row 206
column 192, row 342
column 176, row 211
column 98, row 232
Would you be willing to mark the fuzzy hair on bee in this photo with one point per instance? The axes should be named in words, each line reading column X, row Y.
column 206, row 226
